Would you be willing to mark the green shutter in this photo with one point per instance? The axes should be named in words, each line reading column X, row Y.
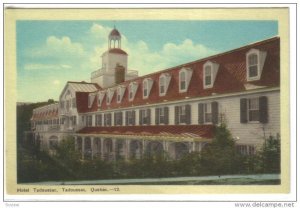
column 200, row 113
column 176, row 114
column 215, row 112
column 156, row 116
column 149, row 116
column 166, row 116
column 243, row 110
column 188, row 114
column 263, row 109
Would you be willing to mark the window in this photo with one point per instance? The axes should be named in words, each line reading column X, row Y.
column 162, row 115
column 246, row 149
column 147, row 85
column 145, row 117
column 89, row 120
column 145, row 89
column 62, row 104
column 162, row 85
column 130, row 93
column 207, row 113
column 74, row 102
column 208, row 75
column 99, row 120
column 255, row 60
column 252, row 65
column 253, row 109
column 118, row 118
column 130, row 118
column 182, row 80
column 107, row 119
column 73, row 120
column 183, row 114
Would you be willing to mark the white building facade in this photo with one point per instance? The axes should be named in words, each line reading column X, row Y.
column 121, row 115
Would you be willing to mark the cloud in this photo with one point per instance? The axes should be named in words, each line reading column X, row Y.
column 34, row 66
column 144, row 60
column 56, row 82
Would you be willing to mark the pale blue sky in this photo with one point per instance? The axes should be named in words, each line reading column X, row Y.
column 49, row 53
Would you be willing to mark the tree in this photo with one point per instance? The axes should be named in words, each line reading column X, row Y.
column 270, row 155
column 220, row 156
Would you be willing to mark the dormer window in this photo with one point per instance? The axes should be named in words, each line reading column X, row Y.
column 162, row 85
column 147, row 85
column 100, row 97
column 182, row 81
column 209, row 75
column 145, row 89
column 91, row 100
column 255, row 60
column 164, row 81
column 109, row 96
column 185, row 75
column 120, row 93
column 132, row 90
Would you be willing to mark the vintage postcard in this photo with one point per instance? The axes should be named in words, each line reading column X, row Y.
column 146, row 101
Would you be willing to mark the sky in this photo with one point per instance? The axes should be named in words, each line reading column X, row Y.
column 50, row 53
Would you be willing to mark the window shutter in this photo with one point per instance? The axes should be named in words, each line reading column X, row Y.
column 263, row 109
column 156, row 116
column 243, row 110
column 149, row 116
column 214, row 112
column 126, row 118
column 115, row 120
column 100, row 123
column 133, row 115
column 166, row 116
column 176, row 114
column 200, row 113
column 140, row 117
column 188, row 114
column 121, row 117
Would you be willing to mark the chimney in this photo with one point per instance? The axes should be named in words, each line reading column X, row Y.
column 119, row 74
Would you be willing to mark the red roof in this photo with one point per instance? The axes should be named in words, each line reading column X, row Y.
column 114, row 32
column 187, row 131
column 231, row 77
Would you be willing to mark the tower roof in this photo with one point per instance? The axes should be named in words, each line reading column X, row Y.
column 114, row 32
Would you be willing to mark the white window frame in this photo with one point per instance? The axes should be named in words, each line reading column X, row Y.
column 165, row 83
column 145, row 89
column 130, row 118
column 254, row 109
column 161, row 115
column 261, row 56
column 188, row 72
column 162, row 84
column 144, row 116
column 182, row 113
column 207, row 112
column 182, row 80
column 132, row 90
column 214, row 68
